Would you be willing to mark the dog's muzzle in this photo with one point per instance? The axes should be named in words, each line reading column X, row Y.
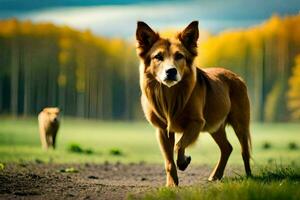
column 171, row 74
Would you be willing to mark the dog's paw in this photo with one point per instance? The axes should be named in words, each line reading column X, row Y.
column 214, row 178
column 182, row 165
column 211, row 179
column 171, row 184
column 172, row 179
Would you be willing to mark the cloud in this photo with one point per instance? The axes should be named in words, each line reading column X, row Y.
column 120, row 20
column 113, row 20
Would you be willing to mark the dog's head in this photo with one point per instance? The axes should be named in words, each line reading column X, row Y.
column 52, row 113
column 167, row 59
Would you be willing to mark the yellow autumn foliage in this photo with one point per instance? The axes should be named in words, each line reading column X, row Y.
column 294, row 91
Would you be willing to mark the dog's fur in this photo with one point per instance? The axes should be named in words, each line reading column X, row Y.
column 48, row 126
column 194, row 100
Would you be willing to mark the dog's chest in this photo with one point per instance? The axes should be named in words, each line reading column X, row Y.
column 166, row 105
column 174, row 118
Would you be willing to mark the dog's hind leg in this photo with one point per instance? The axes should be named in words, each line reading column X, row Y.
column 239, row 119
column 189, row 136
column 242, row 132
column 225, row 148
column 167, row 149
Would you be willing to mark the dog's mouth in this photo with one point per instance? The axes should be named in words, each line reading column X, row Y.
column 170, row 82
column 170, row 78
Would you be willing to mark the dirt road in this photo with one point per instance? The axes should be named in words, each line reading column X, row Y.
column 92, row 181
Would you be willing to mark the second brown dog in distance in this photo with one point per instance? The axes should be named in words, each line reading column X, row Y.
column 48, row 126
column 179, row 97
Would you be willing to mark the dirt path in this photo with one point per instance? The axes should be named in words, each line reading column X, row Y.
column 92, row 181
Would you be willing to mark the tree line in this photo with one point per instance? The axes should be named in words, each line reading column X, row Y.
column 84, row 75
column 90, row 76
column 265, row 56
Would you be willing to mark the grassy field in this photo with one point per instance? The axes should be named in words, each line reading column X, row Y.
column 276, row 155
column 276, row 183
column 136, row 142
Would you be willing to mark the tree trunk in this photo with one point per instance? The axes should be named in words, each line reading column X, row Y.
column 15, row 59
column 1, row 94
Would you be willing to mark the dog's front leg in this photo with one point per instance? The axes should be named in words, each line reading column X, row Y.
column 167, row 148
column 189, row 136
column 43, row 138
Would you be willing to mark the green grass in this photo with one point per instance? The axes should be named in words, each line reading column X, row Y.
column 278, row 182
column 98, row 141
column 136, row 141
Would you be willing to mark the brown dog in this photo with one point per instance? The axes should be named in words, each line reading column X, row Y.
column 48, row 126
column 178, row 97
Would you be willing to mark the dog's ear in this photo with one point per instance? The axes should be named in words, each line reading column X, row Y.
column 189, row 37
column 145, row 37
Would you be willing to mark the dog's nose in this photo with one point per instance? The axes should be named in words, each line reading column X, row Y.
column 171, row 73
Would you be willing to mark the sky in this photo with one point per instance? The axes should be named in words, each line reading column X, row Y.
column 117, row 18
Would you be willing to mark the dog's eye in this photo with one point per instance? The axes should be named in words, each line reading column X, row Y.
column 178, row 56
column 159, row 57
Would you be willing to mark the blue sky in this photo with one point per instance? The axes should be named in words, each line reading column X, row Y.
column 117, row 18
